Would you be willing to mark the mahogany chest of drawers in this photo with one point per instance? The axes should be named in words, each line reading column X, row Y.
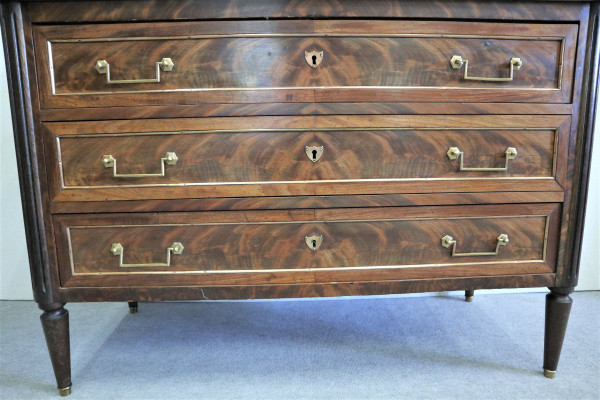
column 189, row 150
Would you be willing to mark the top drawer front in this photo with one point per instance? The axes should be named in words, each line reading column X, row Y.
column 303, row 61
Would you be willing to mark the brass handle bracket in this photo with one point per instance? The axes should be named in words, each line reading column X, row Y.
column 448, row 241
column 509, row 154
column 117, row 250
column 457, row 62
column 109, row 161
column 103, row 68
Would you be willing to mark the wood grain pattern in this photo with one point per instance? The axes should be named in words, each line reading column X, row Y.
column 267, row 246
column 279, row 203
column 354, row 68
column 18, row 46
column 558, row 308
column 226, row 157
column 321, row 277
column 246, row 63
column 579, row 133
column 29, row 155
column 281, row 246
column 55, row 323
column 396, row 44
column 278, row 109
column 165, row 293
column 131, row 10
column 281, row 156
column 582, row 136
column 315, row 122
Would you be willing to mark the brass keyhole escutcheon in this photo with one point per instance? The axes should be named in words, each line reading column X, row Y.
column 313, row 241
column 313, row 58
column 314, row 153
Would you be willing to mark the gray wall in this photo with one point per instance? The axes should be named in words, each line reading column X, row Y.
column 15, row 282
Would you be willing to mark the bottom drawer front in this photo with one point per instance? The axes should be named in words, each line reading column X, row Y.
column 286, row 244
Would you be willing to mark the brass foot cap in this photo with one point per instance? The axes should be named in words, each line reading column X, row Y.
column 133, row 310
column 549, row 374
column 64, row 391
column 469, row 299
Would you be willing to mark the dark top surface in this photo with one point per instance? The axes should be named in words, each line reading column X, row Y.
column 369, row 1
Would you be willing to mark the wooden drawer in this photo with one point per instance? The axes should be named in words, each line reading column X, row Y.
column 260, row 247
column 272, row 61
column 275, row 156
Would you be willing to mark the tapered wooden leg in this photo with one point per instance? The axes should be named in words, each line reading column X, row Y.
column 469, row 295
column 558, row 307
column 55, row 322
column 133, row 306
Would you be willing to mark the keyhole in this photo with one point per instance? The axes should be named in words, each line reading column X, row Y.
column 314, row 244
column 314, row 58
column 314, row 153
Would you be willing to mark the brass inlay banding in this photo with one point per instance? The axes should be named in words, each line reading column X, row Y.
column 326, row 34
column 546, row 233
column 435, row 265
column 275, row 270
column 333, row 129
column 323, row 35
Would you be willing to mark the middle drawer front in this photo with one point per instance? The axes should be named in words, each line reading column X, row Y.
column 122, row 160
column 259, row 247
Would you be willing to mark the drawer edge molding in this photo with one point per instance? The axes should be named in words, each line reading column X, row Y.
column 247, row 292
column 188, row 182
column 177, row 248
column 555, row 87
column 537, row 255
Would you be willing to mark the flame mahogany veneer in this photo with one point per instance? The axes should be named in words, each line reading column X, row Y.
column 172, row 150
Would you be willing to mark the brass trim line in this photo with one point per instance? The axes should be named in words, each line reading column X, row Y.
column 546, row 233
column 560, row 60
column 333, row 129
column 250, row 271
column 308, row 182
column 312, row 221
column 310, row 129
column 435, row 265
column 317, row 34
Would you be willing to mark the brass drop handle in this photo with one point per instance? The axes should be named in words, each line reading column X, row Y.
column 454, row 153
column 313, row 241
column 117, row 250
column 103, row 68
column 448, row 241
column 457, row 62
column 109, row 161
